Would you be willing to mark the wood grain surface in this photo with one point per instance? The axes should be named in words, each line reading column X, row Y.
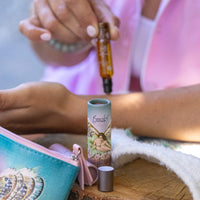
column 138, row 180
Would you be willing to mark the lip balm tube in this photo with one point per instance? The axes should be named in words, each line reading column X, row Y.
column 99, row 132
column 105, row 57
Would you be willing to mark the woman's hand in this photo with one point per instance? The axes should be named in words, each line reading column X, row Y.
column 67, row 21
column 40, row 107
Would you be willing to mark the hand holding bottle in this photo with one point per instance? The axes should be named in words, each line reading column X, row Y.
column 67, row 21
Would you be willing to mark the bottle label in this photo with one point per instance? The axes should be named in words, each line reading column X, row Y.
column 99, row 134
column 105, row 58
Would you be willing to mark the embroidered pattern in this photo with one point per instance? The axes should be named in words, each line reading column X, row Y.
column 22, row 184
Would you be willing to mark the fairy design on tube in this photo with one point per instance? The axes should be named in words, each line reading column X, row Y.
column 99, row 144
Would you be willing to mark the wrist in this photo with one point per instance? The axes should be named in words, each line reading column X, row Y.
column 75, row 114
column 69, row 48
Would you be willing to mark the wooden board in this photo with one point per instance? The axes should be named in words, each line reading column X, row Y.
column 138, row 180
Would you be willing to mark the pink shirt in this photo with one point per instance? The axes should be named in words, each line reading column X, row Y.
column 172, row 58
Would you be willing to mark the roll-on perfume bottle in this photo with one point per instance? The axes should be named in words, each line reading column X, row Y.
column 105, row 57
column 99, row 132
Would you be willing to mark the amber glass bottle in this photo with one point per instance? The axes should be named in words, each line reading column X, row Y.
column 105, row 57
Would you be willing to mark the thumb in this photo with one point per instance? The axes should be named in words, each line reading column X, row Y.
column 104, row 14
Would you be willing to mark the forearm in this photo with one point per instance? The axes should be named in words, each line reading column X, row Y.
column 172, row 114
column 53, row 57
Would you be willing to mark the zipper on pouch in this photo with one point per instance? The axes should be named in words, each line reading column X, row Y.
column 72, row 160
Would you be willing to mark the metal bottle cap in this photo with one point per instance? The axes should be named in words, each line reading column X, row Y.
column 105, row 178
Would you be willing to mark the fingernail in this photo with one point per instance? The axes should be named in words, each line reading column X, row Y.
column 45, row 36
column 117, row 28
column 94, row 42
column 91, row 31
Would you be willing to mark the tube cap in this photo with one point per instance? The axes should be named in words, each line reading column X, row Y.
column 107, row 85
column 105, row 178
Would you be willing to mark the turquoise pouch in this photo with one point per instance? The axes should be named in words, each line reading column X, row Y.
column 29, row 171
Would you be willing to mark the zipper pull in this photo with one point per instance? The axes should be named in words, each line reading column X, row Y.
column 75, row 156
column 84, row 175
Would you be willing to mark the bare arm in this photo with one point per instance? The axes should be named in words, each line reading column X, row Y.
column 49, row 107
column 171, row 114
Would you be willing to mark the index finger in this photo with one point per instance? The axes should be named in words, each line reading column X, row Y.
column 13, row 98
column 85, row 15
column 33, row 32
